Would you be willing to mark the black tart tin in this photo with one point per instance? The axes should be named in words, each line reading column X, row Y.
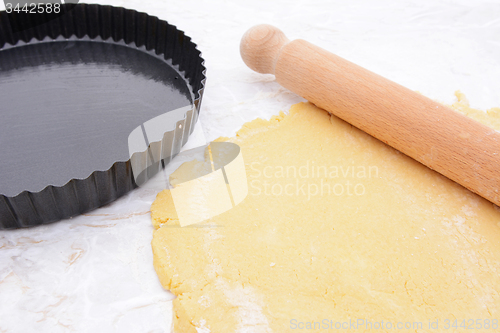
column 72, row 90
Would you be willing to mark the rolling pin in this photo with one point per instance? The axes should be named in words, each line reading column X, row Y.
column 444, row 140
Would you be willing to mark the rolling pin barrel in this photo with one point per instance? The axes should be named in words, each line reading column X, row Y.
column 446, row 141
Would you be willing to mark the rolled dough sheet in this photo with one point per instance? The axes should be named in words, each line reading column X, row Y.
column 391, row 241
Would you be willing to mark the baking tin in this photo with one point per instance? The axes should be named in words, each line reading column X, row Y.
column 158, row 64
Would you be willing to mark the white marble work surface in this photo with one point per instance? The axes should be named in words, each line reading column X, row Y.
column 94, row 273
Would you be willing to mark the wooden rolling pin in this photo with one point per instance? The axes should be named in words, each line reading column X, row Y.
column 446, row 141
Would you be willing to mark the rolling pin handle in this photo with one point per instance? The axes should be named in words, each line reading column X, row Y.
column 260, row 47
